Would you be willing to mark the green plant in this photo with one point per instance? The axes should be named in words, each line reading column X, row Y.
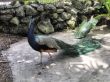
column 85, row 27
column 105, row 3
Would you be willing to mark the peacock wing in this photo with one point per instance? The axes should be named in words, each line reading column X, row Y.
column 62, row 44
column 48, row 41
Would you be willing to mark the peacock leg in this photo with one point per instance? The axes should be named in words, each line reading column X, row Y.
column 41, row 58
column 40, row 62
column 50, row 56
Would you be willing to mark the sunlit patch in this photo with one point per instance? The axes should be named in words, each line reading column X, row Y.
column 52, row 64
column 58, row 73
column 20, row 61
column 89, row 63
column 28, row 61
column 5, row 3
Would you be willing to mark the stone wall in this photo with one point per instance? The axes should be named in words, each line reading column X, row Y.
column 14, row 18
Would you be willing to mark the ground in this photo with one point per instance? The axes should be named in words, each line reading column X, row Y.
column 91, row 67
column 5, row 70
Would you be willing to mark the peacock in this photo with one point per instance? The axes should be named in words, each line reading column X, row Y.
column 43, row 43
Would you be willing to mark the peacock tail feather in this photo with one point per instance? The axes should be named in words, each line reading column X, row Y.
column 84, row 46
column 85, row 27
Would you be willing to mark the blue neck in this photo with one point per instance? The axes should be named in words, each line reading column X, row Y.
column 31, row 37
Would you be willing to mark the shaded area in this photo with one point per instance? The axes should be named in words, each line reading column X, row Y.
column 5, row 70
column 24, row 63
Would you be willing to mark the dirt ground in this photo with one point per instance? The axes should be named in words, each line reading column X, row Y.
column 5, row 70
column 22, row 61
column 92, row 67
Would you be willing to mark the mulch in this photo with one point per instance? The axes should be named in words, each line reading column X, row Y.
column 5, row 70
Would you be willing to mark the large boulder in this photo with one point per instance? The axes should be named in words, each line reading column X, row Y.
column 40, row 8
column 25, row 20
column 66, row 16
column 29, row 10
column 71, row 22
column 20, row 12
column 50, row 7
column 45, row 26
column 15, row 21
column 60, row 10
column 5, row 17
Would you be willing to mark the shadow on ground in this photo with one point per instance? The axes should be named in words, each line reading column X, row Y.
column 85, row 68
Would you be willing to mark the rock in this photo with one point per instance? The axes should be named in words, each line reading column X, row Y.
column 59, row 5
column 50, row 7
column 54, row 22
column 60, row 19
column 3, row 7
column 60, row 10
column 34, row 5
column 60, row 26
column 15, row 21
column 54, row 15
column 25, row 20
column 8, row 11
column 29, row 10
column 71, row 23
column 5, row 17
column 66, row 16
column 45, row 26
column 40, row 8
column 15, row 3
column 67, row 8
column 74, row 11
column 23, row 29
column 1, row 27
column 67, row 3
column 20, row 12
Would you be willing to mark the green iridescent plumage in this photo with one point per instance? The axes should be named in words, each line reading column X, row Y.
column 84, row 46
column 85, row 27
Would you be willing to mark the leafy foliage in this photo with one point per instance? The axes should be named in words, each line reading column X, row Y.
column 86, row 26
column 105, row 3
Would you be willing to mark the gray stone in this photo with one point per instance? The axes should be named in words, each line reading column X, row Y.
column 15, row 21
column 54, row 21
column 74, row 11
column 1, row 27
column 20, row 12
column 78, row 4
column 54, row 15
column 65, row 16
column 67, row 8
column 60, row 26
column 34, row 5
column 60, row 19
column 60, row 10
column 25, row 20
column 50, row 7
column 8, row 11
column 40, row 8
column 59, row 5
column 5, row 17
column 45, row 26
column 17, row 3
column 30, row 10
column 67, row 3
column 71, row 23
